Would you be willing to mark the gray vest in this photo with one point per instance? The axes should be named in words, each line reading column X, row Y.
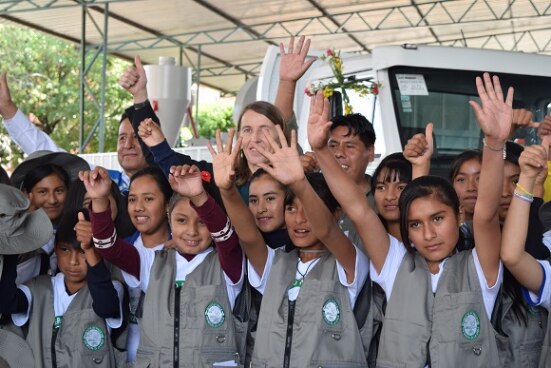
column 82, row 340
column 324, row 331
column 519, row 344
column 545, row 359
column 446, row 329
column 207, row 331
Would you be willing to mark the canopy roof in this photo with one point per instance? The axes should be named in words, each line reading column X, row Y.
column 231, row 36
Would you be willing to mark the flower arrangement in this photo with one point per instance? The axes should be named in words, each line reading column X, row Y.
column 364, row 88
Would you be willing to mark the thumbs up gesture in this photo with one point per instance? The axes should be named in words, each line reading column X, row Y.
column 134, row 81
column 83, row 230
column 419, row 148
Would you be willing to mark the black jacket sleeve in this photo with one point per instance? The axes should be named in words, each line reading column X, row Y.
column 105, row 300
column 12, row 299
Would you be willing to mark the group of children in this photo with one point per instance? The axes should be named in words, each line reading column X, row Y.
column 254, row 259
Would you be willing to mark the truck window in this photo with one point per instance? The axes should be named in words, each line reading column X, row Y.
column 441, row 96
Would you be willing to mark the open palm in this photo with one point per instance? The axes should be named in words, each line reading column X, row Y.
column 496, row 114
column 224, row 160
column 284, row 161
column 318, row 121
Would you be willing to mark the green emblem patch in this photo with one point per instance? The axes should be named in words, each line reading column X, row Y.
column 214, row 315
column 470, row 325
column 534, row 311
column 93, row 338
column 331, row 312
column 57, row 322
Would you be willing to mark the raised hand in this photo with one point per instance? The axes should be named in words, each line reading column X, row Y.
column 284, row 161
column 293, row 63
column 97, row 182
column 309, row 162
column 224, row 160
column 544, row 128
column 419, row 148
column 150, row 133
column 318, row 121
column 496, row 114
column 186, row 180
column 523, row 118
column 7, row 106
column 533, row 160
column 83, row 230
column 134, row 81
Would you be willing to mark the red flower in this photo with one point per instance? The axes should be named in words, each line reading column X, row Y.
column 329, row 52
column 375, row 89
column 205, row 176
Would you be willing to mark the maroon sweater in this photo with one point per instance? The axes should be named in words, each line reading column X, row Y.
column 126, row 257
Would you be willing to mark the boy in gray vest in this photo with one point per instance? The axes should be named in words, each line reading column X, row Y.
column 68, row 317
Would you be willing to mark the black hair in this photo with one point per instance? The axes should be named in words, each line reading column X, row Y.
column 158, row 176
column 259, row 173
column 4, row 177
column 65, row 232
column 425, row 186
column 358, row 125
column 398, row 169
column 122, row 222
column 513, row 151
column 318, row 183
column 40, row 172
column 461, row 158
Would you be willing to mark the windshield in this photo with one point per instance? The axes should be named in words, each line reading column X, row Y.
column 423, row 95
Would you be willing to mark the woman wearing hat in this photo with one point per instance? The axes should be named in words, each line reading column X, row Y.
column 21, row 230
column 45, row 177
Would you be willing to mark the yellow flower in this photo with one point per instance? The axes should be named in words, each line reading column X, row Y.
column 327, row 91
column 338, row 63
column 347, row 109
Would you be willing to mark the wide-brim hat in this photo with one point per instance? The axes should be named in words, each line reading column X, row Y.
column 15, row 351
column 72, row 164
column 21, row 230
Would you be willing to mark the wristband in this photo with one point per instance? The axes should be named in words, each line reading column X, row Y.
column 502, row 149
column 105, row 243
column 524, row 197
column 524, row 190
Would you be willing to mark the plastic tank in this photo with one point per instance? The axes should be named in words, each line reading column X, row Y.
column 169, row 90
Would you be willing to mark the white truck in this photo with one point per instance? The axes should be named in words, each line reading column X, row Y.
column 422, row 84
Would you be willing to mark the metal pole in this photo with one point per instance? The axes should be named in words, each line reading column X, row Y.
column 197, row 81
column 103, row 80
column 82, row 81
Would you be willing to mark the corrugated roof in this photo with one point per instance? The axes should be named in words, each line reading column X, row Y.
column 233, row 35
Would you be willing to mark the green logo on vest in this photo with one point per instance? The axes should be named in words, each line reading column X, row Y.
column 331, row 312
column 470, row 325
column 57, row 322
column 214, row 315
column 534, row 311
column 93, row 338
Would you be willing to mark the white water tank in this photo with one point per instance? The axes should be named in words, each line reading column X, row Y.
column 169, row 90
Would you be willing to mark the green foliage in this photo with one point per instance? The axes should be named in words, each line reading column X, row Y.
column 212, row 117
column 43, row 75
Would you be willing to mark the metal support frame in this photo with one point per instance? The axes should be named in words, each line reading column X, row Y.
column 314, row 26
column 197, row 81
column 89, row 55
column 25, row 6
